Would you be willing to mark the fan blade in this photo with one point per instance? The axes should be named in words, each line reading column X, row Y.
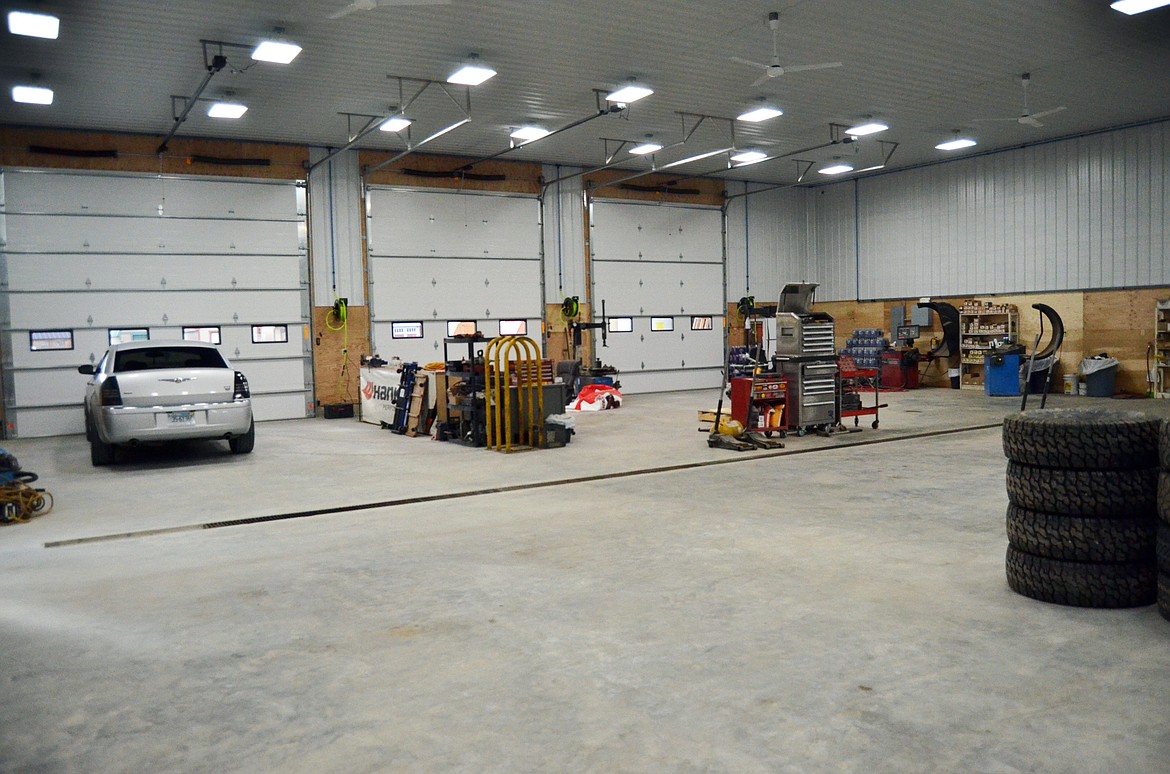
column 749, row 62
column 987, row 120
column 762, row 79
column 1043, row 113
column 1030, row 121
column 798, row 68
column 414, row 2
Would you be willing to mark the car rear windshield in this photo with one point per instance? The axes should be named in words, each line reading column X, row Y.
column 167, row 357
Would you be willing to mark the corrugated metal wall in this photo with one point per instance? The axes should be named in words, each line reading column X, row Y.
column 1087, row 213
column 564, row 235
column 335, row 216
column 1081, row 214
column 766, row 243
column 832, row 240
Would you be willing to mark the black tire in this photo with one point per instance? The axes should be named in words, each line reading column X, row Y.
column 1163, row 496
column 1083, row 492
column 100, row 452
column 1081, row 584
column 1164, row 594
column 1162, row 547
column 1164, row 445
column 1082, row 538
column 243, row 444
column 1082, row 439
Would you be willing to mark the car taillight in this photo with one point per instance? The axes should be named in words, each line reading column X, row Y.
column 241, row 389
column 110, row 394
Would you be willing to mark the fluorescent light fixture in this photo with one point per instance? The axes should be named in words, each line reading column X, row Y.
column 627, row 94
column 275, row 51
column 35, row 25
column 471, row 75
column 226, row 110
column 527, row 134
column 873, row 127
column 645, row 148
column 1136, row 6
column 956, row 144
column 836, row 169
column 749, row 157
column 764, row 113
column 32, row 95
column 395, row 124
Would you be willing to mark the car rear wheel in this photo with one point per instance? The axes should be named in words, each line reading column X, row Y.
column 242, row 444
column 100, row 452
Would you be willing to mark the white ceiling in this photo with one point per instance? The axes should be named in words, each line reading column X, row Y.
column 924, row 68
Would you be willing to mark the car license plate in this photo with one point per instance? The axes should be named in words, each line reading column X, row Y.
column 181, row 417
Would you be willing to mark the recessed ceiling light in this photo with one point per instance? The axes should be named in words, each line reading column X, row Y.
column 471, row 74
column 1137, row 6
column 644, row 148
column 627, row 94
column 35, row 25
column 395, row 124
column 760, row 114
column 836, row 169
column 275, row 51
column 956, row 144
column 32, row 95
column 872, row 127
column 749, row 157
column 226, row 110
column 529, row 133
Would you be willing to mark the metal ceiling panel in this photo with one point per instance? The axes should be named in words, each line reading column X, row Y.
column 925, row 68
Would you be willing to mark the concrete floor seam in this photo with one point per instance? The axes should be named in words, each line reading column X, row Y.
column 498, row 490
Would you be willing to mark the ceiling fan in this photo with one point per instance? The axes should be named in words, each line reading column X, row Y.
column 1027, row 117
column 775, row 70
column 369, row 5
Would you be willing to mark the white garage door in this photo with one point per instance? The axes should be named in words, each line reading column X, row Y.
column 87, row 256
column 439, row 257
column 660, row 268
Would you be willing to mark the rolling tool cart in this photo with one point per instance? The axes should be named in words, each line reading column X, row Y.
column 851, row 383
column 806, row 356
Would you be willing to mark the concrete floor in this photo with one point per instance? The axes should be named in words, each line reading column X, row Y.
column 837, row 606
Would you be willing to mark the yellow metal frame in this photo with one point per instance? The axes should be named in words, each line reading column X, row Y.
column 524, row 353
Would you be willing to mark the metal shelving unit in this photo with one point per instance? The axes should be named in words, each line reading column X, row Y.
column 983, row 325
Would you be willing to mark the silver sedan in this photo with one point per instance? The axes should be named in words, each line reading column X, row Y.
column 156, row 391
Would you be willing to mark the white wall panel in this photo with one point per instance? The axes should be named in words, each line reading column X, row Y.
column 117, row 234
column 564, row 236
column 832, row 236
column 767, row 244
column 634, row 382
column 335, row 226
column 1092, row 212
column 148, row 272
column 429, row 348
column 448, row 224
column 654, row 232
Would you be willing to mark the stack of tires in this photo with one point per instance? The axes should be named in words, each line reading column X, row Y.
column 1082, row 517
column 1163, row 541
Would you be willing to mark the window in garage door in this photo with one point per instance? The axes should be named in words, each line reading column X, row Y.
column 94, row 253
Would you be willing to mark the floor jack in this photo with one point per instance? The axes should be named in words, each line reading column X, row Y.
column 716, row 439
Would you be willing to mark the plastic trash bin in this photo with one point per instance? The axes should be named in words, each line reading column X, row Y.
column 1099, row 376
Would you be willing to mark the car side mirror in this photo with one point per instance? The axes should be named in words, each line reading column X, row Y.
column 86, row 369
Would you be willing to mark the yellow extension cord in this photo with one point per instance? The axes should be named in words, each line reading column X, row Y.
column 29, row 502
column 339, row 313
